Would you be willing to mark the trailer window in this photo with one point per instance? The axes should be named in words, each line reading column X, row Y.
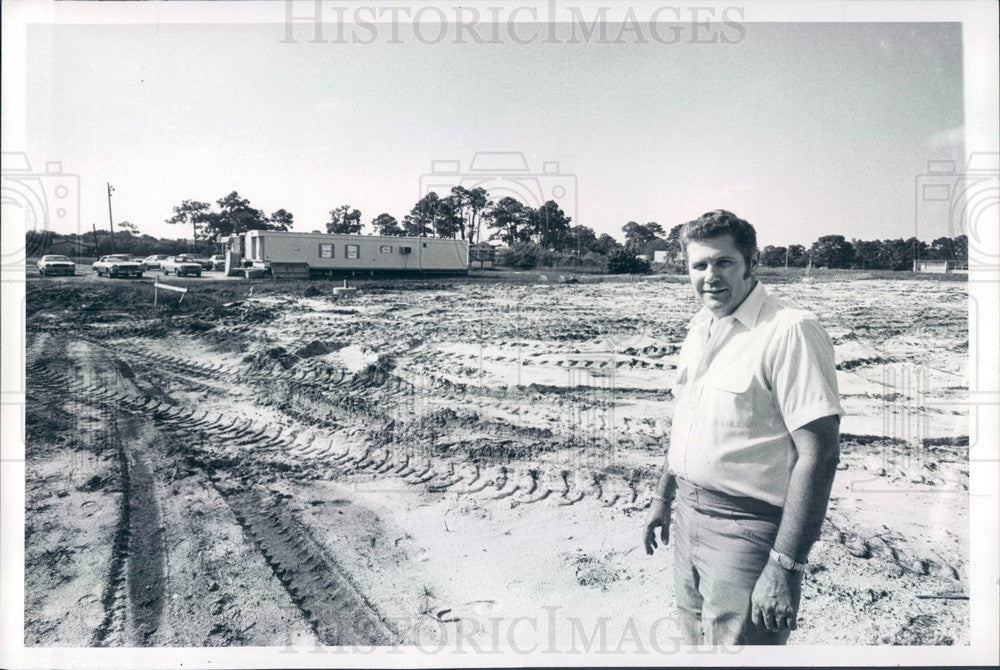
column 405, row 250
column 352, row 251
column 385, row 249
column 325, row 250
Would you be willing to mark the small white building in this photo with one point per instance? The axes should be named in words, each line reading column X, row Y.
column 940, row 267
column 482, row 255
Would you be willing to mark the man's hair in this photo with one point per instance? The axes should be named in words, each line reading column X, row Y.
column 718, row 223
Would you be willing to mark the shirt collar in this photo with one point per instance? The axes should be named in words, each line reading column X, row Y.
column 748, row 311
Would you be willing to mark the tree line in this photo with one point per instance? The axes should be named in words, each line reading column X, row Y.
column 462, row 214
column 829, row 251
column 834, row 251
column 99, row 242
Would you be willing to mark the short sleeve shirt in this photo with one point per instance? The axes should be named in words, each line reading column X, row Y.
column 743, row 385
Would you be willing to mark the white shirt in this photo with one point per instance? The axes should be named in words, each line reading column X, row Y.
column 762, row 372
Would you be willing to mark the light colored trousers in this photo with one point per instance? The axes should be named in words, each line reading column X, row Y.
column 721, row 546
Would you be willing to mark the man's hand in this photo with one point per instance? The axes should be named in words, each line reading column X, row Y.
column 775, row 600
column 659, row 515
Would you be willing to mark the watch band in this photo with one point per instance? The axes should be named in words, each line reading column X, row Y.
column 787, row 562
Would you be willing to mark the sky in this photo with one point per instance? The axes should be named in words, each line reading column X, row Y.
column 802, row 129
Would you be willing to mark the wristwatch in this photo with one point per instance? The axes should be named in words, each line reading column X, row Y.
column 786, row 561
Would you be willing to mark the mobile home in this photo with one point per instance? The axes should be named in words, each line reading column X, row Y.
column 286, row 254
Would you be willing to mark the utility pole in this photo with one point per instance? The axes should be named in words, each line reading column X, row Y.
column 111, row 221
column 786, row 258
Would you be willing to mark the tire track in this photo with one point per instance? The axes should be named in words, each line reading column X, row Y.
column 112, row 595
column 146, row 552
column 334, row 606
column 133, row 593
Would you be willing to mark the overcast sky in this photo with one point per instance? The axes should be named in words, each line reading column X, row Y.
column 803, row 129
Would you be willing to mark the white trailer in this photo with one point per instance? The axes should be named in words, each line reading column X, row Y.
column 287, row 254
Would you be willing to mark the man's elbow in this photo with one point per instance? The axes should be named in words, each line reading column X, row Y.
column 820, row 440
column 824, row 461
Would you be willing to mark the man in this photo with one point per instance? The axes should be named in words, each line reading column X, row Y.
column 753, row 447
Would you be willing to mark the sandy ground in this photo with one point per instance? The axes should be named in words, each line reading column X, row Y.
column 457, row 462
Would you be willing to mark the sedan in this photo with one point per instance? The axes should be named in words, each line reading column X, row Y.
column 117, row 265
column 153, row 262
column 55, row 265
column 181, row 266
column 218, row 262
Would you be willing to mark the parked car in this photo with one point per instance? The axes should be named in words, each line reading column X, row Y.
column 117, row 265
column 218, row 262
column 181, row 266
column 205, row 263
column 55, row 265
column 153, row 262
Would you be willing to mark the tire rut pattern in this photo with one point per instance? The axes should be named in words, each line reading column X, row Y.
column 132, row 596
column 225, row 432
column 336, row 609
column 327, row 459
column 113, row 594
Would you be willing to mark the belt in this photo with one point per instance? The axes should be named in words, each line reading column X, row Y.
column 717, row 503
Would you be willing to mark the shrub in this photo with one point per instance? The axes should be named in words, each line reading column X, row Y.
column 590, row 261
column 622, row 261
column 523, row 256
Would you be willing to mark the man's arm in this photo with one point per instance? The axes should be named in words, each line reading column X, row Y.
column 659, row 510
column 775, row 600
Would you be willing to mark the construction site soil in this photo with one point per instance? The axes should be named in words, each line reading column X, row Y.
column 268, row 464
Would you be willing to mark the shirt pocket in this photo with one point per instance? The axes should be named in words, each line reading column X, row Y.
column 730, row 398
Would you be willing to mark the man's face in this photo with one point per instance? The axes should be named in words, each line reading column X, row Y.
column 719, row 274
